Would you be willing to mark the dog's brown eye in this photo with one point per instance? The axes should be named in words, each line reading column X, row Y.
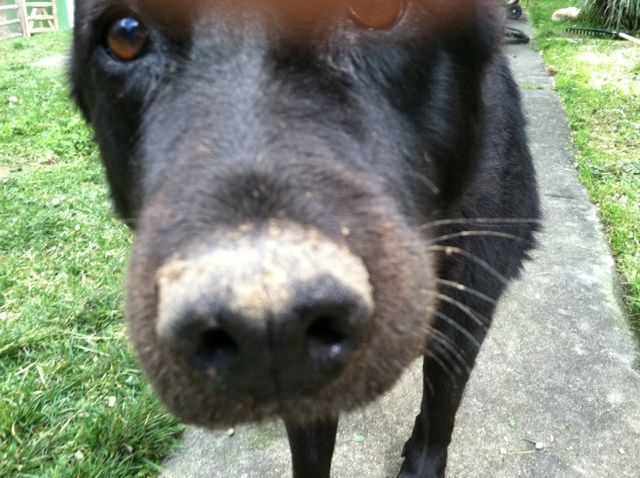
column 377, row 14
column 126, row 38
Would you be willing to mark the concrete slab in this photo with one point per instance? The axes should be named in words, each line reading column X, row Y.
column 554, row 393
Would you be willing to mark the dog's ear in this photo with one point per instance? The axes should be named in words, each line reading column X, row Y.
column 477, row 32
column 78, row 56
column 469, row 29
column 77, row 93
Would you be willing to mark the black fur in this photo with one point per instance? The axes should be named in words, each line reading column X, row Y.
column 410, row 138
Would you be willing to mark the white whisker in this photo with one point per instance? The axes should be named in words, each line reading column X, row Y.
column 425, row 180
column 477, row 318
column 501, row 235
column 486, row 220
column 457, row 326
column 464, row 288
column 485, row 265
column 442, row 365
column 444, row 341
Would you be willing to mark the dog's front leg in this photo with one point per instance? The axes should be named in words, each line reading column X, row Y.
column 447, row 366
column 312, row 447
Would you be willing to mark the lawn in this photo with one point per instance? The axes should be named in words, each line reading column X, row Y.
column 73, row 402
column 599, row 83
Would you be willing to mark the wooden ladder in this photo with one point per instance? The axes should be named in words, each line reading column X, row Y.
column 33, row 17
column 40, row 17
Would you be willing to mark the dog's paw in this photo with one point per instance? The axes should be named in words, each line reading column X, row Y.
column 423, row 463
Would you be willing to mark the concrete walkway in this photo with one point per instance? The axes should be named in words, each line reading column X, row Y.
column 557, row 369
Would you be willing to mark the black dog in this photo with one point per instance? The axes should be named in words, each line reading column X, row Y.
column 321, row 192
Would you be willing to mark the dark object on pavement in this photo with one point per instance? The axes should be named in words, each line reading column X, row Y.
column 513, row 36
column 320, row 192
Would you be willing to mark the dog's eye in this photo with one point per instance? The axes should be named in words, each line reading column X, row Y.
column 126, row 38
column 377, row 14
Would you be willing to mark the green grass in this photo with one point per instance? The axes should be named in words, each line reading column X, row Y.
column 599, row 83
column 73, row 402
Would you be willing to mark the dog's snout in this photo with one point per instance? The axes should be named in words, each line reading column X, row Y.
column 279, row 313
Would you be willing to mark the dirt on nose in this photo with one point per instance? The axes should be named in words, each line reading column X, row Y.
column 259, row 273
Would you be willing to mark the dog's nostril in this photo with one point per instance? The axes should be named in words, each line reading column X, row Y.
column 327, row 337
column 216, row 346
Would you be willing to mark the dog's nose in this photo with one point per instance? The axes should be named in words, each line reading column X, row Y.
column 274, row 315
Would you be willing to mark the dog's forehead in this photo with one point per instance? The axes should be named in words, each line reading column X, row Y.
column 170, row 9
column 172, row 14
